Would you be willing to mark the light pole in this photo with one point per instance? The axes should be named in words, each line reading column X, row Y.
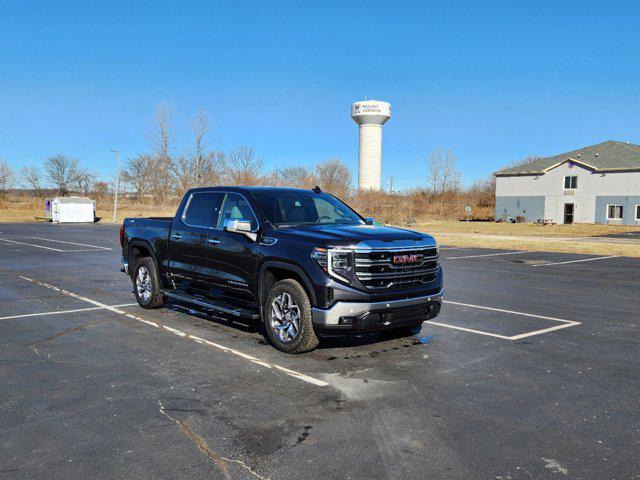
column 115, row 196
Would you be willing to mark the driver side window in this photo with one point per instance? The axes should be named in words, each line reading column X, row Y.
column 235, row 207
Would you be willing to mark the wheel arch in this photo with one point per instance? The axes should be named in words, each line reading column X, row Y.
column 273, row 271
column 139, row 249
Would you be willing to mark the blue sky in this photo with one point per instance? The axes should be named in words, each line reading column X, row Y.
column 491, row 81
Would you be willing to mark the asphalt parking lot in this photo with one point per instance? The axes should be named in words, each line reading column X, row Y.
column 531, row 371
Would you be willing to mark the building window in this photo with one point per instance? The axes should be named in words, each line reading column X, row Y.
column 637, row 212
column 570, row 182
column 614, row 212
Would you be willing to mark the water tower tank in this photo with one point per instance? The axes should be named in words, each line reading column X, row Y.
column 370, row 115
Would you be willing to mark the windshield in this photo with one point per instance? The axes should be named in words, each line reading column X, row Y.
column 298, row 207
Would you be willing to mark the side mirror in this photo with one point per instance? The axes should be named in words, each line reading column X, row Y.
column 370, row 221
column 240, row 226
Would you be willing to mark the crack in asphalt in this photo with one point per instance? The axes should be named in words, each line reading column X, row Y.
column 66, row 332
column 221, row 462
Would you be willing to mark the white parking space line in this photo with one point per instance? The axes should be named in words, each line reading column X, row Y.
column 32, row 245
column 289, row 372
column 544, row 330
column 574, row 261
column 62, row 312
column 471, row 330
column 512, row 312
column 565, row 323
column 71, row 243
column 485, row 255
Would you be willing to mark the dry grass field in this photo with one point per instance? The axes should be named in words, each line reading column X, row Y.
column 578, row 238
column 21, row 209
column 523, row 229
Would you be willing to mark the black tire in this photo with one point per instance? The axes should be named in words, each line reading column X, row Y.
column 305, row 338
column 148, row 295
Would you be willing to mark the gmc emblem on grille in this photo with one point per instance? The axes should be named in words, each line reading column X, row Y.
column 402, row 259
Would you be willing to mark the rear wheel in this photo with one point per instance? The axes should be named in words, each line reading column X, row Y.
column 146, row 284
column 288, row 319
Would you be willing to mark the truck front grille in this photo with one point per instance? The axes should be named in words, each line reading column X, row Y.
column 381, row 269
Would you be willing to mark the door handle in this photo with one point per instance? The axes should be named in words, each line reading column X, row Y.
column 176, row 236
column 213, row 241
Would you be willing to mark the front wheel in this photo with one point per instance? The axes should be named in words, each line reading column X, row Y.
column 288, row 319
column 146, row 284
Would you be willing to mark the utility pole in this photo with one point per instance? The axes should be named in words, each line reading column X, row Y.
column 390, row 185
column 117, row 184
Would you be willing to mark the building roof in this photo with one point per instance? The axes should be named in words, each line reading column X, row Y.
column 605, row 156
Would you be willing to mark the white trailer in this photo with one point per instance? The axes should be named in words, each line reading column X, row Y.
column 70, row 210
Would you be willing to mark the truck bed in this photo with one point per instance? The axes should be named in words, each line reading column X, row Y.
column 154, row 232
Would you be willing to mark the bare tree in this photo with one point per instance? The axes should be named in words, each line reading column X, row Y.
column 139, row 174
column 61, row 172
column 83, row 181
column 200, row 128
column 435, row 166
column 32, row 178
column 198, row 166
column 334, row 177
column 243, row 166
column 101, row 189
column 7, row 177
column 450, row 177
column 183, row 169
column 292, row 177
column 443, row 175
column 163, row 142
column 211, row 168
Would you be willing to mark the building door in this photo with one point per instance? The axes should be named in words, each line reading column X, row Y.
column 568, row 213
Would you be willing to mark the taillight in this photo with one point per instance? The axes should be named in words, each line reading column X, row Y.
column 122, row 235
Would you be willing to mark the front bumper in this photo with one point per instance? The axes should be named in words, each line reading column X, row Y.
column 375, row 315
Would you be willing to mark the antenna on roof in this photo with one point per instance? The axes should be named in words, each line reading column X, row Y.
column 316, row 189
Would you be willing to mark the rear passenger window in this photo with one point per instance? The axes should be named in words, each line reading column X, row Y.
column 203, row 209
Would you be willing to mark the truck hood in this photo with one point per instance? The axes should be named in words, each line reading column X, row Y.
column 370, row 235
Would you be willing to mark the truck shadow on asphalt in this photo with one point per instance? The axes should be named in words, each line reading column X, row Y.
column 344, row 347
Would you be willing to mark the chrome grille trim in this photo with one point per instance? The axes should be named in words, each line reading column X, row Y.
column 377, row 273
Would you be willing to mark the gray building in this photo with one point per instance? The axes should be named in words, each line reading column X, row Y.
column 596, row 184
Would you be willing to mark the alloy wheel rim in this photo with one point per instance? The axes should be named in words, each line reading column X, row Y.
column 285, row 317
column 143, row 283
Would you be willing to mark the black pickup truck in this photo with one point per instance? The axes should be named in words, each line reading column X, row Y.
column 300, row 261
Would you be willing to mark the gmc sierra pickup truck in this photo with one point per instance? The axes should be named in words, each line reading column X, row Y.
column 302, row 262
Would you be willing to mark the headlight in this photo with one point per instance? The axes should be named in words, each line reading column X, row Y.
column 337, row 263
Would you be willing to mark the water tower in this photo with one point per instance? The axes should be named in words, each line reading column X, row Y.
column 370, row 115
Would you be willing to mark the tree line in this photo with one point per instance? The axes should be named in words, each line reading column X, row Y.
column 162, row 174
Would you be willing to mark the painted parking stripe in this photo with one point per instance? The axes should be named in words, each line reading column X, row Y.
column 471, row 330
column 70, row 243
column 574, row 261
column 512, row 312
column 485, row 255
column 565, row 323
column 202, row 341
column 32, row 245
column 544, row 330
column 62, row 312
